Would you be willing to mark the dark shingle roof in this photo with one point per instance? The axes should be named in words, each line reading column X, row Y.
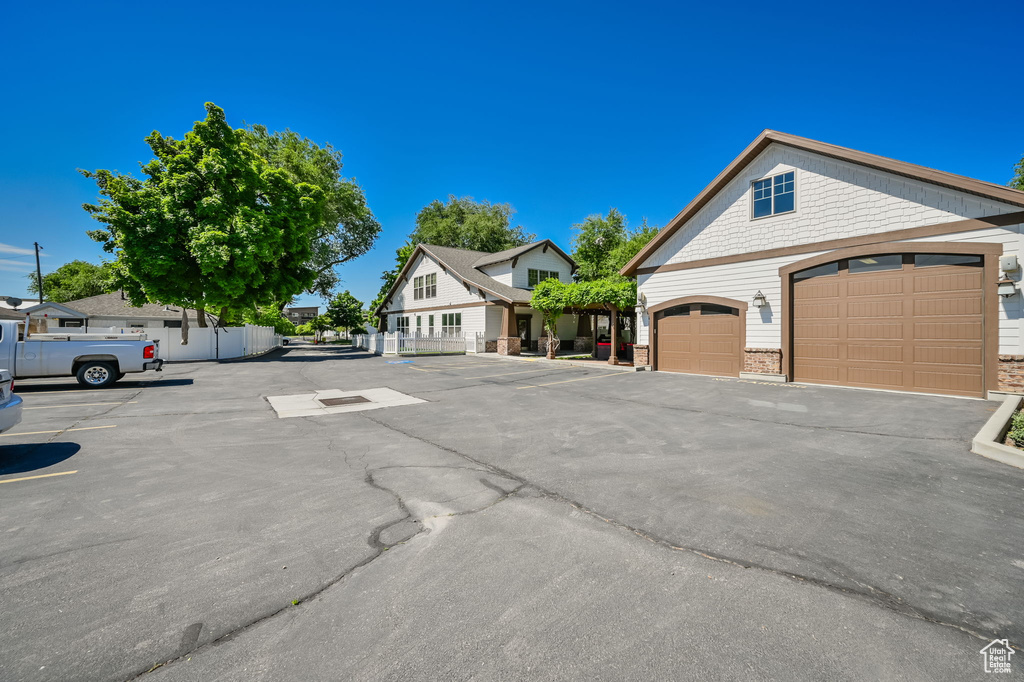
column 463, row 263
column 509, row 254
column 113, row 305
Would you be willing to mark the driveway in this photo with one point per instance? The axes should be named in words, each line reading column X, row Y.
column 526, row 520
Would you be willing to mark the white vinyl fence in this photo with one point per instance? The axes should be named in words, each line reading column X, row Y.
column 209, row 343
column 396, row 343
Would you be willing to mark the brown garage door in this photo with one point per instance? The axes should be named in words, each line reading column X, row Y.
column 700, row 338
column 908, row 322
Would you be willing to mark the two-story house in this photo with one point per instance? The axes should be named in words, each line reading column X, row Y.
column 449, row 291
column 822, row 264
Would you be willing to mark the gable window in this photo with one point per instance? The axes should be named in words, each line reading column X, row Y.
column 402, row 325
column 451, row 324
column 535, row 277
column 424, row 286
column 774, row 195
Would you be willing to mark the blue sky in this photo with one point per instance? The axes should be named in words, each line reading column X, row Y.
column 561, row 109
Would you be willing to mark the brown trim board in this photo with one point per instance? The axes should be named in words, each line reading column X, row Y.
column 652, row 337
column 981, row 188
column 989, row 298
column 966, row 225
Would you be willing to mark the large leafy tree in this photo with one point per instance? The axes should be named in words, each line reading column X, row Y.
column 212, row 224
column 347, row 228
column 460, row 223
column 74, row 280
column 602, row 245
column 463, row 223
column 1018, row 175
column 345, row 311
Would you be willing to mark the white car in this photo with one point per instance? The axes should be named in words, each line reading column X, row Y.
column 10, row 404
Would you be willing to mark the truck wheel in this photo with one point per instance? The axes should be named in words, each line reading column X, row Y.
column 96, row 374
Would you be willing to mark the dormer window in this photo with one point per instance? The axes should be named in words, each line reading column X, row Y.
column 424, row 286
column 535, row 277
column 774, row 195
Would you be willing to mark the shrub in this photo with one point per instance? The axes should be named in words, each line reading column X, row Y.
column 1017, row 428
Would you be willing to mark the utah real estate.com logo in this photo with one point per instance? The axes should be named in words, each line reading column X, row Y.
column 997, row 656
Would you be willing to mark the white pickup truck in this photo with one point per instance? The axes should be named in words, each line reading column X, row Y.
column 97, row 360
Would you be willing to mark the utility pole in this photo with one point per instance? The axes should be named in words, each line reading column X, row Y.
column 39, row 273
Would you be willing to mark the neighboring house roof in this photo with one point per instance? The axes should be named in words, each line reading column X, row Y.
column 988, row 190
column 511, row 254
column 464, row 263
column 9, row 314
column 113, row 305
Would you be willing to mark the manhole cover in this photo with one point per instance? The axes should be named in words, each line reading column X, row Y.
column 347, row 400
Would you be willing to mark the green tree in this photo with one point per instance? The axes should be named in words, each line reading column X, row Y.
column 319, row 325
column 1018, row 175
column 212, row 225
column 270, row 316
column 602, row 245
column 345, row 311
column 347, row 228
column 74, row 280
column 463, row 223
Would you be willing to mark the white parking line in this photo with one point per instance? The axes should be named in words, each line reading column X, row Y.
column 53, row 407
column 36, row 433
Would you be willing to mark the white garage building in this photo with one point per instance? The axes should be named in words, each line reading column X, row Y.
column 822, row 264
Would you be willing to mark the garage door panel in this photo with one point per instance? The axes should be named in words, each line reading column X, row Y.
column 881, row 330
column 816, row 289
column 884, row 308
column 861, row 352
column 815, row 372
column 916, row 329
column 868, row 285
column 947, row 330
column 947, row 307
column 949, row 355
column 875, row 377
column 727, row 347
column 827, row 351
column 948, row 282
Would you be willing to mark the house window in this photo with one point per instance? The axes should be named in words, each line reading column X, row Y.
column 535, row 277
column 451, row 324
column 430, row 325
column 135, row 324
column 424, row 286
column 774, row 195
column 419, row 324
column 402, row 325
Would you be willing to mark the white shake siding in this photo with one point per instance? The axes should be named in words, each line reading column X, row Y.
column 834, row 200
column 764, row 327
column 500, row 272
column 450, row 290
column 536, row 260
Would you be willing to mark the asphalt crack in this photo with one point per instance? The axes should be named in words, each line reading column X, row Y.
column 868, row 593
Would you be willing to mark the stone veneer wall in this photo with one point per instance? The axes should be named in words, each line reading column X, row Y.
column 641, row 355
column 1011, row 373
column 509, row 345
column 490, row 346
column 583, row 344
column 762, row 360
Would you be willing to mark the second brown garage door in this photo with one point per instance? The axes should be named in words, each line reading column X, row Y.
column 908, row 322
column 700, row 338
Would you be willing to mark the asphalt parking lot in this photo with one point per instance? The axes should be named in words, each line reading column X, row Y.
column 524, row 520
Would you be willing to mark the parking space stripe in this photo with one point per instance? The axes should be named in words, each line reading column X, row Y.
column 36, row 433
column 525, row 371
column 32, row 478
column 77, row 405
column 566, row 381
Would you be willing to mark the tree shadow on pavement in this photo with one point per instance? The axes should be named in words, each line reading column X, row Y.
column 18, row 459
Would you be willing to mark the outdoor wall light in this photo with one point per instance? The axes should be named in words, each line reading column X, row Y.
column 1006, row 288
column 759, row 300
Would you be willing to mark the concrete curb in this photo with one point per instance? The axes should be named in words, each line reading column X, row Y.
column 225, row 360
column 988, row 441
column 563, row 363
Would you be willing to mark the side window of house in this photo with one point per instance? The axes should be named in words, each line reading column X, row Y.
column 402, row 324
column 535, row 277
column 774, row 195
column 419, row 324
column 430, row 325
column 451, row 324
column 430, row 286
column 417, row 288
